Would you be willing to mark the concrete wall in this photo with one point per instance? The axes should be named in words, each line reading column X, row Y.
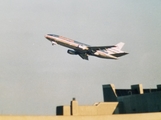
column 148, row 116
column 102, row 108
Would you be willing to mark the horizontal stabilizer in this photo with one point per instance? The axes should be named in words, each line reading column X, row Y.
column 119, row 54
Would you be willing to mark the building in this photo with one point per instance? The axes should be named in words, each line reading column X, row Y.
column 134, row 100
column 119, row 104
column 118, row 101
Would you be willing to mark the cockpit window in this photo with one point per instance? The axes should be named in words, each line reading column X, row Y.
column 53, row 35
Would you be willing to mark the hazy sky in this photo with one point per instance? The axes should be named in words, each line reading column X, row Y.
column 35, row 76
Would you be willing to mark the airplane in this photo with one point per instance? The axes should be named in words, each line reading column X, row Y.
column 84, row 50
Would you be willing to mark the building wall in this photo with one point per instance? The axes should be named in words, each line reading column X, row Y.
column 109, row 93
column 63, row 110
column 141, row 103
column 137, row 101
column 102, row 108
column 147, row 116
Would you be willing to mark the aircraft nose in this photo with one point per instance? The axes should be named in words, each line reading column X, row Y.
column 51, row 36
column 46, row 36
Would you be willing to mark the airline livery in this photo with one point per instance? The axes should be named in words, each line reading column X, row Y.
column 84, row 50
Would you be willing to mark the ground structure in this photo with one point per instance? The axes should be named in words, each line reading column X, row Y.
column 119, row 104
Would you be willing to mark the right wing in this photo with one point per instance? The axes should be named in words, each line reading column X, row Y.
column 100, row 47
column 93, row 49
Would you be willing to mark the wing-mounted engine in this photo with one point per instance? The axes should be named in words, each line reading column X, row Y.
column 72, row 52
column 83, row 47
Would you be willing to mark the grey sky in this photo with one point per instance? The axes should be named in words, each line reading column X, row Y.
column 35, row 77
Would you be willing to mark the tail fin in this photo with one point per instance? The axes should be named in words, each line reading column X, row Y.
column 119, row 45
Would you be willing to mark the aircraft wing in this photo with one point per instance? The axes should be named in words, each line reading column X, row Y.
column 100, row 47
column 83, row 56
